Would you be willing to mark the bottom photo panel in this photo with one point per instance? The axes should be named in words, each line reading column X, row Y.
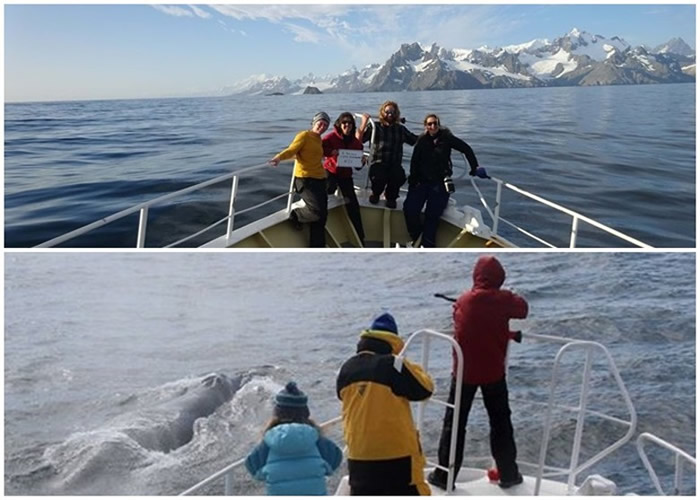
column 350, row 373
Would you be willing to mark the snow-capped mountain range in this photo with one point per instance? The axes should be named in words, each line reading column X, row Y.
column 577, row 58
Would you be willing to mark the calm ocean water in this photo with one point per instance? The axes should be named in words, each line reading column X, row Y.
column 622, row 155
column 97, row 344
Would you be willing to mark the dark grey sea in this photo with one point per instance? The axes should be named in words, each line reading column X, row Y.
column 622, row 155
column 98, row 346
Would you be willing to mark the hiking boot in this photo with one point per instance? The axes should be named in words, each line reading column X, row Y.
column 374, row 199
column 509, row 483
column 438, row 480
column 390, row 203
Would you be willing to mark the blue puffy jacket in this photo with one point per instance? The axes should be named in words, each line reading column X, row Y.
column 294, row 459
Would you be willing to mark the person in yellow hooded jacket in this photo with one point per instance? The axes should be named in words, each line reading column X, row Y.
column 384, row 452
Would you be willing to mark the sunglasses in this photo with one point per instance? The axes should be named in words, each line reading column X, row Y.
column 431, row 124
column 345, row 123
column 389, row 112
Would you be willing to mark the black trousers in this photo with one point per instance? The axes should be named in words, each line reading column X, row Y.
column 387, row 179
column 501, row 437
column 347, row 187
column 381, row 477
column 315, row 213
column 434, row 198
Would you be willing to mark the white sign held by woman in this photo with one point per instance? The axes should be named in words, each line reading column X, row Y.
column 350, row 158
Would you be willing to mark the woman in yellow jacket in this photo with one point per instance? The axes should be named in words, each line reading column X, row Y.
column 309, row 179
column 384, row 451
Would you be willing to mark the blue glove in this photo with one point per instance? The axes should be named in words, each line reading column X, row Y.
column 481, row 173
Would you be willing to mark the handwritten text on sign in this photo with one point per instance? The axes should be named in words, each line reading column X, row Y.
column 350, row 158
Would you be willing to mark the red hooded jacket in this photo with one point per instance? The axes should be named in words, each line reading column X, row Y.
column 481, row 318
column 334, row 140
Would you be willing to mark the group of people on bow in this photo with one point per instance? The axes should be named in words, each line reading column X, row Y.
column 376, row 387
column 317, row 173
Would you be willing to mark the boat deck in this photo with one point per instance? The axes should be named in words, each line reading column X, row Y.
column 473, row 482
column 384, row 228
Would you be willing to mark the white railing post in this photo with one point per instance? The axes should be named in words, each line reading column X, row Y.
column 290, row 197
column 143, row 222
column 228, row 484
column 680, row 456
column 574, row 232
column 578, row 434
column 456, row 406
column 497, row 207
column 678, row 478
column 425, row 358
column 231, row 208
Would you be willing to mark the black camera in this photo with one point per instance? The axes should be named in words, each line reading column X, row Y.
column 449, row 185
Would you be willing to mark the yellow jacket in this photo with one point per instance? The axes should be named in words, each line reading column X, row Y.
column 307, row 150
column 384, row 448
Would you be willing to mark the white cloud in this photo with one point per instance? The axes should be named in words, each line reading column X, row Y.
column 370, row 33
column 173, row 10
column 302, row 34
column 199, row 12
column 316, row 14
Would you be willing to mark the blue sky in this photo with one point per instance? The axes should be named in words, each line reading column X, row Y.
column 60, row 52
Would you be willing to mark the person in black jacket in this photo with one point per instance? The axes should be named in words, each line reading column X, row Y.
column 430, row 183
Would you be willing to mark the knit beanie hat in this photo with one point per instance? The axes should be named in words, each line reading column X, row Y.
column 385, row 323
column 320, row 116
column 291, row 403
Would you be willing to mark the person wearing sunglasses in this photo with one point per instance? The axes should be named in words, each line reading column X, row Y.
column 343, row 137
column 430, row 179
column 309, row 179
column 386, row 171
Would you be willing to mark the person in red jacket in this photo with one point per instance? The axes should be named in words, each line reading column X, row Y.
column 481, row 317
column 343, row 137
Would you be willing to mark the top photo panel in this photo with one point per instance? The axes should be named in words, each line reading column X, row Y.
column 350, row 126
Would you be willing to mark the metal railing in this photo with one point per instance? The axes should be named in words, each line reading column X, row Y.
column 575, row 216
column 543, row 470
column 143, row 209
column 681, row 457
column 588, row 348
column 426, row 335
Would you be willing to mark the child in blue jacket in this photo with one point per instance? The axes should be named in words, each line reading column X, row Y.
column 293, row 458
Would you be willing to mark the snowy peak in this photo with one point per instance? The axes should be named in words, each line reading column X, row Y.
column 576, row 58
column 597, row 47
column 675, row 46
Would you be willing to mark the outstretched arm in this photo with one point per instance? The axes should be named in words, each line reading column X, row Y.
column 518, row 307
column 362, row 133
column 463, row 147
column 291, row 150
column 409, row 137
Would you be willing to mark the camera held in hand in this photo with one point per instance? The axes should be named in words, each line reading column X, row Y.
column 449, row 184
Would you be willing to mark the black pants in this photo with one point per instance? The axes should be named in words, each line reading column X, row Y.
column 379, row 490
column 381, row 477
column 347, row 187
column 501, row 436
column 387, row 178
column 436, row 197
column 313, row 192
